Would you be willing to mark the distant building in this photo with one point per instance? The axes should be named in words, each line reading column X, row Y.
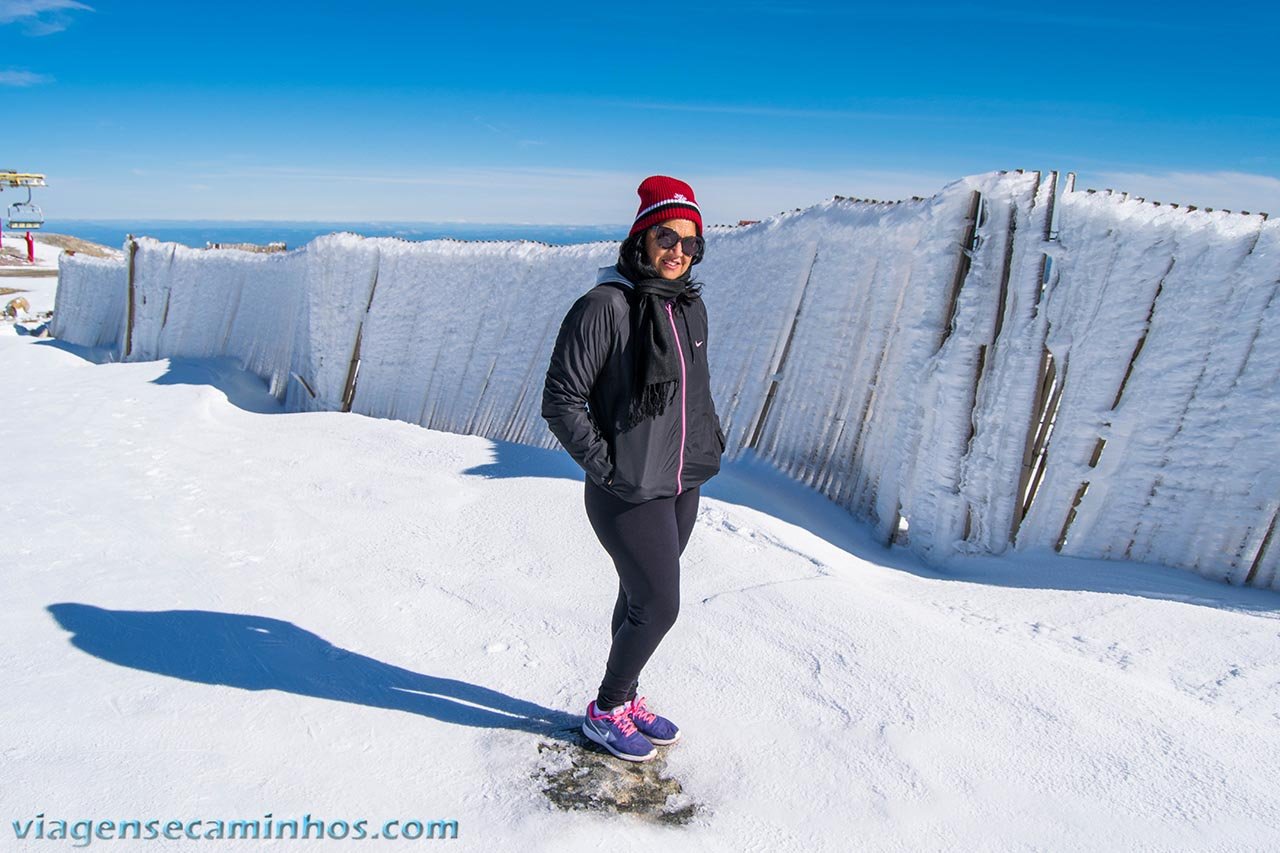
column 249, row 247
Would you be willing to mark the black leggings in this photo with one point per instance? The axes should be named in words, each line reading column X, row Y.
column 645, row 541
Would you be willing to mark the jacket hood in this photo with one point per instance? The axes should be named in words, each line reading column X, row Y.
column 609, row 274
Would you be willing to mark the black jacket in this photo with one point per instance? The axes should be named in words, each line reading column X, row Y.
column 588, row 393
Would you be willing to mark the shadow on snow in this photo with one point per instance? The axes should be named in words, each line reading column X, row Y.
column 259, row 653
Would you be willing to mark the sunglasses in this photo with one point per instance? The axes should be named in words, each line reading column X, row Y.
column 667, row 239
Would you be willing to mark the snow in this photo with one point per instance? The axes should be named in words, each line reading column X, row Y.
column 215, row 608
column 864, row 349
column 1186, row 476
column 90, row 300
column 1004, row 397
column 15, row 249
column 38, row 290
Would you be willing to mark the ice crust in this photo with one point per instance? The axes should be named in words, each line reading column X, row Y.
column 1187, row 474
column 89, row 306
column 850, row 346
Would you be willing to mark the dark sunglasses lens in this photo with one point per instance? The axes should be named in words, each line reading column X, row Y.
column 667, row 239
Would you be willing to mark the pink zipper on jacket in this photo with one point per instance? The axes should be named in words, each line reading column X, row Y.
column 683, row 429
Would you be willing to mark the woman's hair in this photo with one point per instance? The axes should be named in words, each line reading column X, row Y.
column 633, row 262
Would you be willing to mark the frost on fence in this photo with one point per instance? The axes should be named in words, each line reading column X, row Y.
column 290, row 318
column 1164, row 325
column 89, row 306
column 198, row 304
column 827, row 340
column 854, row 337
column 909, row 360
column 458, row 335
column 338, row 273
column 1006, row 333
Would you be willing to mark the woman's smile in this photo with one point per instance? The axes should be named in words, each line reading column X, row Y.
column 670, row 263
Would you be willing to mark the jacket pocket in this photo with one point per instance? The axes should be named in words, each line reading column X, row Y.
column 605, row 479
column 630, row 463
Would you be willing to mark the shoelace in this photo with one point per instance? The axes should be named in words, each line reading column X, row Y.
column 622, row 719
column 638, row 709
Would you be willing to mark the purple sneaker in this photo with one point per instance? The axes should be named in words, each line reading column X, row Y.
column 657, row 729
column 616, row 733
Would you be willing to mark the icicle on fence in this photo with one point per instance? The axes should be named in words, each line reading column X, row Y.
column 1006, row 362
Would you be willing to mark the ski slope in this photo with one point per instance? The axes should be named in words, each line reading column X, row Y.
column 216, row 610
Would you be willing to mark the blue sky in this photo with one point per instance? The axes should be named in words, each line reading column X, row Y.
column 552, row 113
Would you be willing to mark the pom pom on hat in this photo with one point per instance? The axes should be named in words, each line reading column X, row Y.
column 663, row 198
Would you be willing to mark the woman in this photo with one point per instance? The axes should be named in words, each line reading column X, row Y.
column 628, row 394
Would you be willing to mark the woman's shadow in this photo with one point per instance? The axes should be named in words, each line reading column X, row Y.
column 259, row 653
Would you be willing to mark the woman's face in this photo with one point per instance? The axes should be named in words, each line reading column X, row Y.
column 673, row 262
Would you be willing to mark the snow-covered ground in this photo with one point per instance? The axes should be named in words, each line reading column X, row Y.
column 39, row 291
column 13, row 252
column 38, row 283
column 213, row 610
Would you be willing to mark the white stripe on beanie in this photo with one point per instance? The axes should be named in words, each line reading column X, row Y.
column 678, row 198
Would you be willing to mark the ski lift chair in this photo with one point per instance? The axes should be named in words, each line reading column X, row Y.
column 24, row 217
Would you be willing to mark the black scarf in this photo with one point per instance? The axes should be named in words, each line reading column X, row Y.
column 657, row 355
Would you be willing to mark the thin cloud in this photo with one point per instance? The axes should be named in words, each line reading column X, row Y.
column 765, row 111
column 22, row 79
column 496, row 176
column 547, row 195
column 761, row 193
column 1219, row 190
column 40, row 17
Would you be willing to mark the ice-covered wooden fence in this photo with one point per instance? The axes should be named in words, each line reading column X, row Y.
column 1164, row 330
column 939, row 366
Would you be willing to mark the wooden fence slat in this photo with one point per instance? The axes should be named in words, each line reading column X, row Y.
column 1262, row 550
column 782, row 357
column 131, row 247
column 1040, row 450
column 353, row 366
column 963, row 265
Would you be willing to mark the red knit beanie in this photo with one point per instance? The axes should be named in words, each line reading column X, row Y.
column 663, row 198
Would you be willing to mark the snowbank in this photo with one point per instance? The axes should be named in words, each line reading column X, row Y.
column 211, row 612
